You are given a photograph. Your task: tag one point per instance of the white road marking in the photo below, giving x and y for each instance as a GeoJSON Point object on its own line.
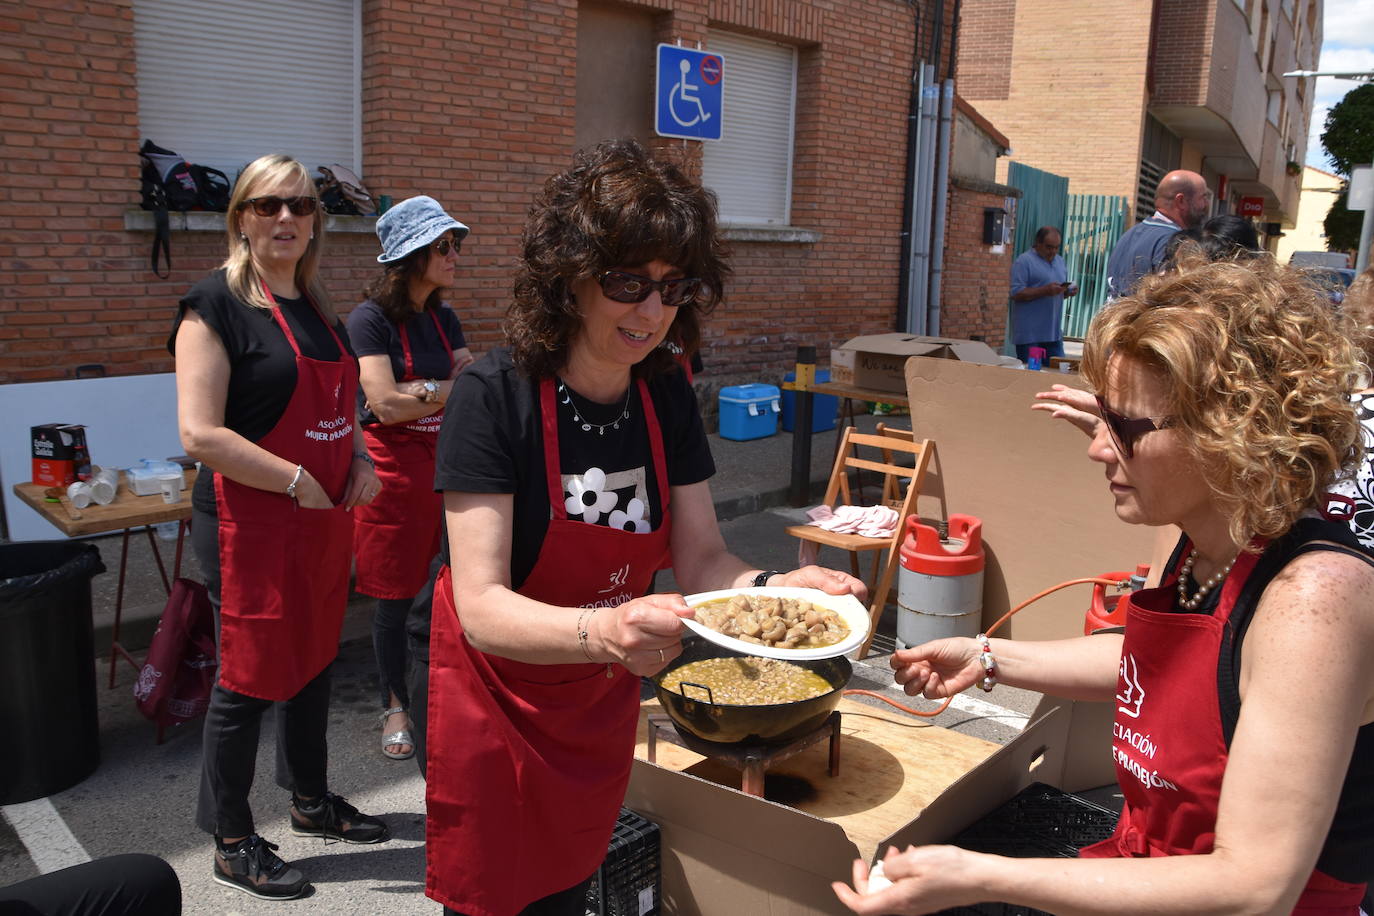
{"type": "Point", "coordinates": [43, 832]}
{"type": "Point", "coordinates": [976, 707]}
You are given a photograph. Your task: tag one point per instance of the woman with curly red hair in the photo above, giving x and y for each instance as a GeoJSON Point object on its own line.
{"type": "Point", "coordinates": [1223, 398]}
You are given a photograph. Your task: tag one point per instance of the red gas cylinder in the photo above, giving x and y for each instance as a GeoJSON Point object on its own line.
{"type": "Point", "coordinates": [1107, 610]}
{"type": "Point", "coordinates": [940, 582]}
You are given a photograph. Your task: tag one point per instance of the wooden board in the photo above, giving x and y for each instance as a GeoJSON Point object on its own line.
{"type": "Point", "coordinates": [891, 766]}
{"type": "Point", "coordinates": [127, 510]}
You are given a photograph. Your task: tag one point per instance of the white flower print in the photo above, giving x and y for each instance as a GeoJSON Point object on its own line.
{"type": "Point", "coordinates": [588, 496]}
{"type": "Point", "coordinates": [635, 518]}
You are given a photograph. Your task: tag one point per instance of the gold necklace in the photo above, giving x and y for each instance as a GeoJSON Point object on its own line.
{"type": "Point", "coordinates": [1194, 602]}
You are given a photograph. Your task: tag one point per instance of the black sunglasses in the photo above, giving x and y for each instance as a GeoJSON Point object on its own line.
{"type": "Point", "coordinates": [444, 246]}
{"type": "Point", "coordinates": [1125, 430]}
{"type": "Point", "coordinates": [271, 206]}
{"type": "Point", "coordinates": [622, 287]}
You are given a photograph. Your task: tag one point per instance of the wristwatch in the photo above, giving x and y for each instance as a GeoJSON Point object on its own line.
{"type": "Point", "coordinates": [431, 390]}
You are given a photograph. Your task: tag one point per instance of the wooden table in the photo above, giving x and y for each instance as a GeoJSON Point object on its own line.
{"type": "Point", "coordinates": [127, 513]}
{"type": "Point", "coordinates": [800, 485]}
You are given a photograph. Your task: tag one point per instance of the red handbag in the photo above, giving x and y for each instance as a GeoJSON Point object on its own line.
{"type": "Point", "coordinates": [175, 681]}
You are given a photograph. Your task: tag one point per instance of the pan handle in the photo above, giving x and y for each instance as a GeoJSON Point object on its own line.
{"type": "Point", "coordinates": [709, 698]}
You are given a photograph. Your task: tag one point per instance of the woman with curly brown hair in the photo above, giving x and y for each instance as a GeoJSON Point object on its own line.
{"type": "Point", "coordinates": [573, 467]}
{"type": "Point", "coordinates": [1223, 393]}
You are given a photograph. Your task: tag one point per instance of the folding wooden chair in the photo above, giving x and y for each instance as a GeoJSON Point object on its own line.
{"type": "Point", "coordinates": [901, 486]}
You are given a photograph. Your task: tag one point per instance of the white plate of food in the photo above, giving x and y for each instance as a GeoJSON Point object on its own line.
{"type": "Point", "coordinates": [747, 620]}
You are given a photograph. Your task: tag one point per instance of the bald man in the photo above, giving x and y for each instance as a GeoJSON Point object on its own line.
{"type": "Point", "coordinates": [1182, 201]}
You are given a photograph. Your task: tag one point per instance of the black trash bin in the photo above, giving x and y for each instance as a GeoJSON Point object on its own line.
{"type": "Point", "coordinates": [47, 667]}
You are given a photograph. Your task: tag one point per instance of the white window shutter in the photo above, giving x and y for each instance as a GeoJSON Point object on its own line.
{"type": "Point", "coordinates": [750, 167]}
{"type": "Point", "coordinates": [224, 83]}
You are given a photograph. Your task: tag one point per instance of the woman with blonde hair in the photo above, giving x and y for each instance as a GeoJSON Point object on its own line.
{"type": "Point", "coordinates": [265, 400]}
{"type": "Point", "coordinates": [1222, 390]}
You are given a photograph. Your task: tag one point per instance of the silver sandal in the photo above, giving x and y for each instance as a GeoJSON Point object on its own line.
{"type": "Point", "coordinates": [397, 737]}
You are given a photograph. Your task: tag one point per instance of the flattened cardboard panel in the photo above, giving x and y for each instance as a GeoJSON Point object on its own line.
{"type": "Point", "coordinates": [1038, 754]}
{"type": "Point", "coordinates": [726, 852]}
{"type": "Point", "coordinates": [1088, 764]}
{"type": "Point", "coordinates": [1047, 514]}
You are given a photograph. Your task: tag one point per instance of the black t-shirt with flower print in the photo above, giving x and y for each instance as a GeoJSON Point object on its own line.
{"type": "Point", "coordinates": [492, 441]}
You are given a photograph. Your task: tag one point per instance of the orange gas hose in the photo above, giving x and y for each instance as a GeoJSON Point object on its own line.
{"type": "Point", "coordinates": [1091, 580]}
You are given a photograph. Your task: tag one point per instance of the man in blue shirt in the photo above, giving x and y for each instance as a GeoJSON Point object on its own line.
{"type": "Point", "coordinates": [1039, 283]}
{"type": "Point", "coordinates": [1182, 201]}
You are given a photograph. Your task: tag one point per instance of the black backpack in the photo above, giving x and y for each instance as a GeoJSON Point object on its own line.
{"type": "Point", "coordinates": [169, 182]}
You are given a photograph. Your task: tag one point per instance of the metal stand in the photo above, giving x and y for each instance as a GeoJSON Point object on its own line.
{"type": "Point", "coordinates": [752, 760]}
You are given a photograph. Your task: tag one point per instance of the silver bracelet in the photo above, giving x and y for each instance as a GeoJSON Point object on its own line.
{"type": "Point", "coordinates": [291, 487]}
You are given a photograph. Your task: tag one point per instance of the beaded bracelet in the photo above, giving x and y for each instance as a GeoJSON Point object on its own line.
{"type": "Point", "coordinates": [989, 663]}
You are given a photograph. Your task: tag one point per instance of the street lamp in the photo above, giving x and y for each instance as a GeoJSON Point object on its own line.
{"type": "Point", "coordinates": [1367, 224]}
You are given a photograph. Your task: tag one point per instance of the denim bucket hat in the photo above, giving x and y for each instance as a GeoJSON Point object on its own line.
{"type": "Point", "coordinates": [412, 224]}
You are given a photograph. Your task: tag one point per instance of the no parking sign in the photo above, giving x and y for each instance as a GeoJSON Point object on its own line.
{"type": "Point", "coordinates": [689, 99]}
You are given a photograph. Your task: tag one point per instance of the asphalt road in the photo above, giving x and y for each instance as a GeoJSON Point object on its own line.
{"type": "Point", "coordinates": [142, 796]}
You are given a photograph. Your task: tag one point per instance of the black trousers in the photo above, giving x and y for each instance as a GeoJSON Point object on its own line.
{"type": "Point", "coordinates": [233, 723]}
{"type": "Point", "coordinates": [389, 645]}
{"type": "Point", "coordinates": [125, 885]}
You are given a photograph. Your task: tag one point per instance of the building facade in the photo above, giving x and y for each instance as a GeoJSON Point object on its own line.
{"type": "Point", "coordinates": [1319, 191]}
{"type": "Point", "coordinates": [1115, 94]}
{"type": "Point", "coordinates": [473, 103]}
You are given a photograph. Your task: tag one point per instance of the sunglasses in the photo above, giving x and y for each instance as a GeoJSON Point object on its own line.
{"type": "Point", "coordinates": [271, 206]}
{"type": "Point", "coordinates": [1125, 430]}
{"type": "Point", "coordinates": [444, 246]}
{"type": "Point", "coordinates": [622, 287]}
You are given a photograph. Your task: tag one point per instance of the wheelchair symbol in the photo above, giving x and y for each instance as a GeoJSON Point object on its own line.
{"type": "Point", "coordinates": [685, 92]}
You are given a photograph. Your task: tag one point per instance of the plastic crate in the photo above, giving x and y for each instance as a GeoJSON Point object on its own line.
{"type": "Point", "coordinates": [1040, 821]}
{"type": "Point", "coordinates": [627, 883]}
{"type": "Point", "coordinates": [824, 407]}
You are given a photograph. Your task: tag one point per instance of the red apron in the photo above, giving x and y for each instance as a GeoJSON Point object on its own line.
{"type": "Point", "coordinates": [1168, 743]}
{"type": "Point", "coordinates": [528, 764]}
{"type": "Point", "coordinates": [397, 534]}
{"type": "Point", "coordinates": [284, 569]}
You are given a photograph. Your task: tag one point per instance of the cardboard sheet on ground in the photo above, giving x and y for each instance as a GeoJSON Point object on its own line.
{"type": "Point", "coordinates": [1047, 514]}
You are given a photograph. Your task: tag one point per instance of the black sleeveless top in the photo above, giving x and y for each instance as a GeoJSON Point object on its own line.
{"type": "Point", "coordinates": [1348, 852]}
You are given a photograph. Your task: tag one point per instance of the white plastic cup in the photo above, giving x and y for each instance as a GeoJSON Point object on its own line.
{"type": "Point", "coordinates": [170, 485]}
{"type": "Point", "coordinates": [80, 494]}
{"type": "Point", "coordinates": [102, 491]}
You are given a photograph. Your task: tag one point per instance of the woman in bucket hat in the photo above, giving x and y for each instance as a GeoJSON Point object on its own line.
{"type": "Point", "coordinates": [410, 347]}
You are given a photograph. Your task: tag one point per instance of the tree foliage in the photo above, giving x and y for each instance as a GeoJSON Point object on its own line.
{"type": "Point", "coordinates": [1348, 137]}
{"type": "Point", "coordinates": [1342, 226]}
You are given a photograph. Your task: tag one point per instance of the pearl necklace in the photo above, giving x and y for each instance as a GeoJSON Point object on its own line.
{"type": "Point", "coordinates": [587, 425]}
{"type": "Point", "coordinates": [1193, 603]}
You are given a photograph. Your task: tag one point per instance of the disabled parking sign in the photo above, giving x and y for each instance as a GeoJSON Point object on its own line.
{"type": "Point", "coordinates": [689, 100]}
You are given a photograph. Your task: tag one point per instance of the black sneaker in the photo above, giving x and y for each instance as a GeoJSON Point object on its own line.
{"type": "Point", "coordinates": [251, 865]}
{"type": "Point", "coordinates": [333, 818]}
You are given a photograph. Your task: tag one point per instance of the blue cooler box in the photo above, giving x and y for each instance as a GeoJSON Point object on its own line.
{"type": "Point", "coordinates": [824, 407]}
{"type": "Point", "coordinates": [748, 411]}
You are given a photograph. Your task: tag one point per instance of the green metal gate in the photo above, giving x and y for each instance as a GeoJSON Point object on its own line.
{"type": "Point", "coordinates": [1094, 223]}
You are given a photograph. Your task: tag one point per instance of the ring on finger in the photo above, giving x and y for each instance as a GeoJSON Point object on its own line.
{"type": "Point", "coordinates": [661, 659]}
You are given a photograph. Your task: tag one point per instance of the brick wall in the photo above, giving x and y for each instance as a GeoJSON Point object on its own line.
{"type": "Point", "coordinates": [1077, 85]}
{"type": "Point", "coordinates": [977, 280]}
{"type": "Point", "coordinates": [472, 106]}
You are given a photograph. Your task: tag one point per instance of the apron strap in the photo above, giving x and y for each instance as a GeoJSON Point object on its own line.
{"type": "Point", "coordinates": [286, 328]}
{"type": "Point", "coordinates": [405, 346]}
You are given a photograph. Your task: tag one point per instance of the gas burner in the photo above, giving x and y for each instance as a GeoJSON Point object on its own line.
{"type": "Point", "coordinates": [752, 760]}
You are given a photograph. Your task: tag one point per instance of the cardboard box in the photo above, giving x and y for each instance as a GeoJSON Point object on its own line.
{"type": "Point", "coordinates": [878, 361]}
{"type": "Point", "coordinates": [727, 852]}
{"type": "Point", "coordinates": [1047, 513]}
{"type": "Point", "coordinates": [59, 454]}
